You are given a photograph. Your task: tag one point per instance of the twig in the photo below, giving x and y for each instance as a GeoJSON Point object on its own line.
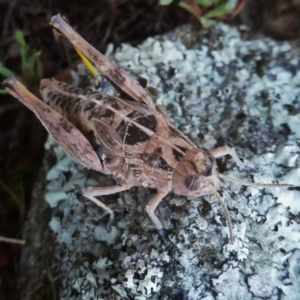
{"type": "Point", "coordinates": [11, 241]}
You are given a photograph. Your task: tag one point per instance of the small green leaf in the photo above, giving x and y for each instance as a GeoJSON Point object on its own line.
{"type": "Point", "coordinates": [4, 71]}
{"type": "Point", "coordinates": [39, 66]}
{"type": "Point", "coordinates": [217, 2]}
{"type": "Point", "coordinates": [232, 4]}
{"type": "Point", "coordinates": [165, 2]}
{"type": "Point", "coordinates": [187, 7]}
{"type": "Point", "coordinates": [20, 38]}
{"type": "Point", "coordinates": [205, 3]}
{"type": "Point", "coordinates": [222, 9]}
{"type": "Point", "coordinates": [206, 23]}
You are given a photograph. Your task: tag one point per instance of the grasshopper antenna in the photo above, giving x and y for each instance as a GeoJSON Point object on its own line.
{"type": "Point", "coordinates": [248, 183]}
{"type": "Point", "coordinates": [227, 215]}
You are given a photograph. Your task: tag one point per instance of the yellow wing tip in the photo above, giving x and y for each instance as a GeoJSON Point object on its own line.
{"type": "Point", "coordinates": [87, 63]}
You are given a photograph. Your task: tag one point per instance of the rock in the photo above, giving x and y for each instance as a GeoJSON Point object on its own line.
{"type": "Point", "coordinates": [218, 87]}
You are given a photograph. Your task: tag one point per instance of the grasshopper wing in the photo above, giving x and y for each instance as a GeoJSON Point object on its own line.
{"type": "Point", "coordinates": [105, 66]}
{"type": "Point", "coordinates": [67, 136]}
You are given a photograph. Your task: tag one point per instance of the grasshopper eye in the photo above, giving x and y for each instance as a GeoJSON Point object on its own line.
{"type": "Point", "coordinates": [208, 166]}
{"type": "Point", "coordinates": [192, 182]}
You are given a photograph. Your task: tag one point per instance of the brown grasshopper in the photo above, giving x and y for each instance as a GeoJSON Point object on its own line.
{"type": "Point", "coordinates": [132, 140]}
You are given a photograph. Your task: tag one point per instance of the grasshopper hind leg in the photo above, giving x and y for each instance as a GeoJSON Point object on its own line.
{"type": "Point", "coordinates": [92, 192]}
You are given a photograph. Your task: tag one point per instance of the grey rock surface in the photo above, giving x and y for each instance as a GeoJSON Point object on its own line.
{"type": "Point", "coordinates": [218, 87]}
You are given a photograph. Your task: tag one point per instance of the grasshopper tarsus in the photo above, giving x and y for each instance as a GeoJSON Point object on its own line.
{"type": "Point", "coordinates": [250, 169]}
{"type": "Point", "coordinates": [162, 234]}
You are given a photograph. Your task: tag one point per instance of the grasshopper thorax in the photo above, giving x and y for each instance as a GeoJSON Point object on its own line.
{"type": "Point", "coordinates": [196, 174]}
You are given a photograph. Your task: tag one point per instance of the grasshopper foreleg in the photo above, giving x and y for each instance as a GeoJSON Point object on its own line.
{"type": "Point", "coordinates": [225, 150]}
{"type": "Point", "coordinates": [150, 208]}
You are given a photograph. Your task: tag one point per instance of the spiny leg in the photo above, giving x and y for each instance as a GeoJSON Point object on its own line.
{"type": "Point", "coordinates": [106, 67]}
{"type": "Point", "coordinates": [91, 192]}
{"type": "Point", "coordinates": [150, 208]}
{"type": "Point", "coordinates": [73, 142]}
{"type": "Point", "coordinates": [225, 150]}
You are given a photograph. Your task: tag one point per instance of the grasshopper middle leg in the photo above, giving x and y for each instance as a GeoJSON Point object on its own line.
{"type": "Point", "coordinates": [92, 192]}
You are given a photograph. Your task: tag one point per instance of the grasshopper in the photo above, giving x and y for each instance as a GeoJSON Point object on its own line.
{"type": "Point", "coordinates": [130, 139]}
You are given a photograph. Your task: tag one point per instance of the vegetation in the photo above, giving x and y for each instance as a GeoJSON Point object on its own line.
{"type": "Point", "coordinates": [208, 10]}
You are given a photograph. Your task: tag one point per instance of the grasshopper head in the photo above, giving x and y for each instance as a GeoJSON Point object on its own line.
{"type": "Point", "coordinates": [196, 174]}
